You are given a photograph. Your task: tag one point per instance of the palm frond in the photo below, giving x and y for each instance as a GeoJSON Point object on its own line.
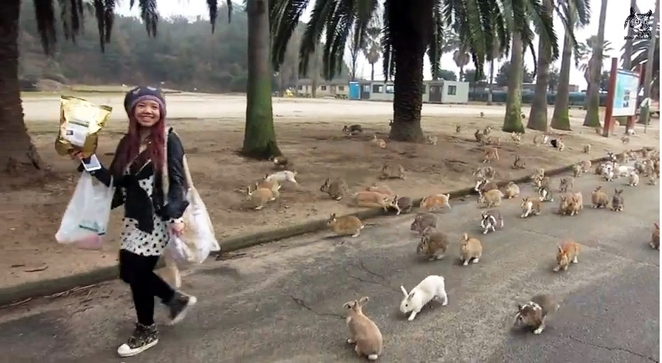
{"type": "Point", "coordinates": [436, 48]}
{"type": "Point", "coordinates": [388, 59]}
{"type": "Point", "coordinates": [321, 13]}
{"type": "Point", "coordinates": [285, 16]}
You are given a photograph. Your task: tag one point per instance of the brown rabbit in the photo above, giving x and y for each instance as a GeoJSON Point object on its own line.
{"type": "Point", "coordinates": [272, 185]}
{"type": "Point", "coordinates": [259, 197]}
{"type": "Point", "coordinates": [586, 165]}
{"type": "Point", "coordinates": [374, 200]}
{"type": "Point", "coordinates": [470, 249]}
{"type": "Point", "coordinates": [577, 170]}
{"type": "Point", "coordinates": [491, 199]}
{"type": "Point", "coordinates": [379, 142]}
{"type": "Point", "coordinates": [516, 137]}
{"type": "Point", "coordinates": [363, 332]}
{"type": "Point", "coordinates": [433, 244]}
{"type": "Point", "coordinates": [599, 198]}
{"type": "Point", "coordinates": [617, 201]}
{"type": "Point", "coordinates": [479, 136]}
{"type": "Point", "coordinates": [346, 225]}
{"type": "Point", "coordinates": [491, 154]}
{"type": "Point", "coordinates": [511, 190]}
{"type": "Point", "coordinates": [336, 189]}
{"type": "Point", "coordinates": [485, 186]}
{"type": "Point", "coordinates": [386, 172]}
{"type": "Point", "coordinates": [531, 206]}
{"type": "Point", "coordinates": [571, 203]}
{"type": "Point", "coordinates": [566, 183]}
{"type": "Point", "coordinates": [567, 253]}
{"type": "Point", "coordinates": [519, 163]}
{"type": "Point", "coordinates": [560, 145]}
{"type": "Point", "coordinates": [423, 221]}
{"type": "Point", "coordinates": [543, 182]}
{"type": "Point", "coordinates": [436, 202]}
{"type": "Point", "coordinates": [404, 205]}
{"type": "Point", "coordinates": [383, 189]}
{"type": "Point", "coordinates": [458, 129]}
{"type": "Point", "coordinates": [275, 189]}
{"type": "Point", "coordinates": [487, 131]}
{"type": "Point", "coordinates": [655, 237]}
{"type": "Point", "coordinates": [533, 313]}
{"type": "Point", "coordinates": [494, 140]}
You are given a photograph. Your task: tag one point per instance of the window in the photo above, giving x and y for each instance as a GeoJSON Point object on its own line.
{"type": "Point", "coordinates": [424, 89]}
{"type": "Point", "coordinates": [341, 88]}
{"type": "Point", "coordinates": [452, 90]}
{"type": "Point", "coordinates": [389, 89]}
{"type": "Point", "coordinates": [366, 88]}
{"type": "Point", "coordinates": [300, 88]}
{"type": "Point", "coordinates": [323, 88]}
{"type": "Point", "coordinates": [377, 88]}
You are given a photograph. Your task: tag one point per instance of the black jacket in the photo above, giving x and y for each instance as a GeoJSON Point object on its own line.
{"type": "Point", "coordinates": [138, 204]}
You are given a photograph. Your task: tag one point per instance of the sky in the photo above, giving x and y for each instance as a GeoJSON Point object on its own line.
{"type": "Point", "coordinates": [617, 11]}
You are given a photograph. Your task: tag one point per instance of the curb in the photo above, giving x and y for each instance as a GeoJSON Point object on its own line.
{"type": "Point", "coordinates": [13, 294]}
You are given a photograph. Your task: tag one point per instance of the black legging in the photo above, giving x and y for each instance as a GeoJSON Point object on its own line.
{"type": "Point", "coordinates": [138, 272]}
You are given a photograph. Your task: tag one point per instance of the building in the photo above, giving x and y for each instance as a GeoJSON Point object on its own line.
{"type": "Point", "coordinates": [337, 88]}
{"type": "Point", "coordinates": [439, 91]}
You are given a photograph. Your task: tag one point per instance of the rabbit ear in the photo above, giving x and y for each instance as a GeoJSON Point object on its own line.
{"type": "Point", "coordinates": [656, 225]}
{"type": "Point", "coordinates": [363, 300]}
{"type": "Point", "coordinates": [348, 305]}
{"type": "Point", "coordinates": [560, 248]}
{"type": "Point", "coordinates": [404, 291]}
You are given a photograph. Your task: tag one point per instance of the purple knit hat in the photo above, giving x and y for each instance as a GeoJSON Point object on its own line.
{"type": "Point", "coordinates": [144, 93]}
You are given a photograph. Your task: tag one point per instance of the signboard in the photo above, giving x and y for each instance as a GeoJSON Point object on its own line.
{"type": "Point", "coordinates": [625, 93]}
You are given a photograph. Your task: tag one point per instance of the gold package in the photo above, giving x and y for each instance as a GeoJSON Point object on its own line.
{"type": "Point", "coordinates": [80, 123]}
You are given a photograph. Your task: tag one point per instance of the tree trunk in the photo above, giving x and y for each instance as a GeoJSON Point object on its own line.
{"type": "Point", "coordinates": [409, 23]}
{"type": "Point", "coordinates": [372, 71]}
{"type": "Point", "coordinates": [259, 135]}
{"type": "Point", "coordinates": [648, 75]}
{"type": "Point", "coordinates": [627, 53]}
{"type": "Point", "coordinates": [513, 120]}
{"type": "Point", "coordinates": [538, 114]}
{"type": "Point", "coordinates": [18, 155]}
{"type": "Point", "coordinates": [491, 89]}
{"type": "Point", "coordinates": [592, 118]}
{"type": "Point", "coordinates": [560, 117]}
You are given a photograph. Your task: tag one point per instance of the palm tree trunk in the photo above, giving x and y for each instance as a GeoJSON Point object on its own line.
{"type": "Point", "coordinates": [648, 75]}
{"type": "Point", "coordinates": [259, 135]}
{"type": "Point", "coordinates": [18, 156]}
{"type": "Point", "coordinates": [592, 118]}
{"type": "Point", "coordinates": [538, 114]}
{"type": "Point", "coordinates": [513, 120]}
{"type": "Point", "coordinates": [372, 71]}
{"type": "Point", "coordinates": [409, 44]}
{"type": "Point", "coordinates": [491, 88]}
{"type": "Point", "coordinates": [627, 53]}
{"type": "Point", "coordinates": [560, 117]}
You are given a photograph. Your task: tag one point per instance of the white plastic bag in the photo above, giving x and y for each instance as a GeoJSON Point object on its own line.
{"type": "Point", "coordinates": [85, 221]}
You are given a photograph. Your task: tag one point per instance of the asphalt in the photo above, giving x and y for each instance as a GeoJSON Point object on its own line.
{"type": "Point", "coordinates": [282, 302]}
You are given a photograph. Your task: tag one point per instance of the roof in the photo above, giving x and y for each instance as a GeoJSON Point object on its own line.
{"type": "Point", "coordinates": [334, 82]}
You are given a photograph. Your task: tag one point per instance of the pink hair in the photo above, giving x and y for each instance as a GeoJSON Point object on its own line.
{"type": "Point", "coordinates": [128, 150]}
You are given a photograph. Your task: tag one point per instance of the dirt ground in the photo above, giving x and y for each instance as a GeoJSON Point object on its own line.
{"type": "Point", "coordinates": [309, 133]}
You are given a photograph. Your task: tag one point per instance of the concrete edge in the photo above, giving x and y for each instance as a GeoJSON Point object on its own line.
{"type": "Point", "coordinates": [13, 294]}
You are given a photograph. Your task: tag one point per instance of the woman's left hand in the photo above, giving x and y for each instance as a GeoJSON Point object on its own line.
{"type": "Point", "coordinates": [178, 228]}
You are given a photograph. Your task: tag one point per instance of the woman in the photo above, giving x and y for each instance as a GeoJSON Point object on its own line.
{"type": "Point", "coordinates": [148, 174]}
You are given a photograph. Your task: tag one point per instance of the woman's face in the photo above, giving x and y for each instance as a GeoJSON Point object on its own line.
{"type": "Point", "coordinates": [147, 113]}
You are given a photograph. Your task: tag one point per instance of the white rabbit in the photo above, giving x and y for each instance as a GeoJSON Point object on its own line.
{"type": "Point", "coordinates": [623, 171]}
{"type": "Point", "coordinates": [608, 173]}
{"type": "Point", "coordinates": [431, 288]}
{"type": "Point", "coordinates": [283, 176]}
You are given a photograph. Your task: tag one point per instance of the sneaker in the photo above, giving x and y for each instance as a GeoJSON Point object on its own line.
{"type": "Point", "coordinates": [143, 338]}
{"type": "Point", "coordinates": [179, 306]}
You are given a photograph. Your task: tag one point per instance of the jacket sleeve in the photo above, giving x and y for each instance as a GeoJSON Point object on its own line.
{"type": "Point", "coordinates": [176, 198]}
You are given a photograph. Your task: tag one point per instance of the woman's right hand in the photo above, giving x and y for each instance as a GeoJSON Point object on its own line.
{"type": "Point", "coordinates": [77, 155]}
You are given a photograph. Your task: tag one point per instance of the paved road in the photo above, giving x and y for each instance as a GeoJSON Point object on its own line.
{"type": "Point", "coordinates": [282, 302]}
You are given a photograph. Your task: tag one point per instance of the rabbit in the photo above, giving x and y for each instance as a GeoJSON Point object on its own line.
{"type": "Point", "coordinates": [617, 201]}
{"type": "Point", "coordinates": [543, 182]}
{"type": "Point", "coordinates": [484, 173]}
{"type": "Point", "coordinates": [404, 205]}
{"type": "Point", "coordinates": [586, 165]}
{"type": "Point", "coordinates": [491, 198]}
{"type": "Point", "coordinates": [577, 170]}
{"type": "Point", "coordinates": [430, 288]}
{"type": "Point", "coordinates": [516, 137]}
{"type": "Point", "coordinates": [423, 221]}
{"type": "Point", "coordinates": [275, 187]}
{"type": "Point", "coordinates": [511, 190]}
{"type": "Point", "coordinates": [625, 140]}
{"type": "Point", "coordinates": [608, 173]}
{"type": "Point", "coordinates": [433, 244]}
{"type": "Point", "coordinates": [458, 129]}
{"type": "Point", "coordinates": [622, 171]}
{"type": "Point", "coordinates": [336, 189]}
{"type": "Point", "coordinates": [374, 200]}
{"type": "Point", "coordinates": [379, 142]}
{"type": "Point", "coordinates": [611, 157]}
{"type": "Point", "coordinates": [487, 131]}
{"type": "Point", "coordinates": [641, 166]}
{"type": "Point", "coordinates": [491, 220]}
{"type": "Point", "coordinates": [545, 192]}
{"type": "Point", "coordinates": [540, 139]}
{"type": "Point", "coordinates": [599, 199]}
{"type": "Point", "coordinates": [533, 313]}
{"type": "Point", "coordinates": [436, 202]}
{"type": "Point", "coordinates": [560, 145]}
{"type": "Point", "coordinates": [346, 225]}
{"type": "Point", "coordinates": [386, 173]}
{"type": "Point", "coordinates": [470, 249]}
{"type": "Point", "coordinates": [363, 332]}
{"type": "Point", "coordinates": [571, 204]}
{"type": "Point", "coordinates": [494, 140]}
{"type": "Point", "coordinates": [482, 114]}
{"type": "Point", "coordinates": [655, 237]}
{"type": "Point", "coordinates": [259, 197]}
{"type": "Point", "coordinates": [382, 189]}
{"type": "Point", "coordinates": [538, 175]}
{"type": "Point", "coordinates": [353, 129]}
{"type": "Point", "coordinates": [478, 136]}
{"type": "Point", "coordinates": [491, 154]}
{"type": "Point", "coordinates": [567, 253]}
{"type": "Point", "coordinates": [283, 176]}
{"type": "Point", "coordinates": [634, 178]}
{"type": "Point", "coordinates": [530, 206]}
{"type": "Point", "coordinates": [484, 186]}
{"type": "Point", "coordinates": [652, 180]}
{"type": "Point", "coordinates": [566, 183]}
{"type": "Point", "coordinates": [279, 161]}
{"type": "Point", "coordinates": [518, 163]}
{"type": "Point", "coordinates": [431, 139]}
{"type": "Point", "coordinates": [587, 148]}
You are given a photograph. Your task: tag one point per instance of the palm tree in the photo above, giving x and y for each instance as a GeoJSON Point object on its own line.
{"type": "Point", "coordinates": [648, 75]}
{"type": "Point", "coordinates": [18, 153]}
{"type": "Point", "coordinates": [592, 117]}
{"type": "Point", "coordinates": [627, 55]}
{"type": "Point", "coordinates": [565, 10]}
{"type": "Point", "coordinates": [410, 29]}
{"type": "Point", "coordinates": [373, 50]}
{"type": "Point", "coordinates": [461, 58]}
{"type": "Point", "coordinates": [522, 14]}
{"type": "Point", "coordinates": [586, 53]}
{"type": "Point", "coordinates": [494, 55]}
